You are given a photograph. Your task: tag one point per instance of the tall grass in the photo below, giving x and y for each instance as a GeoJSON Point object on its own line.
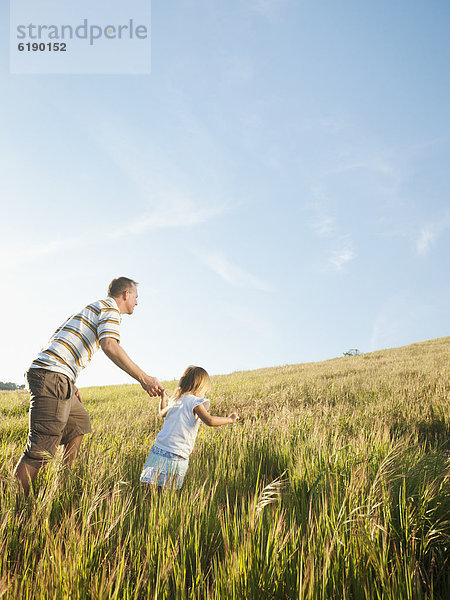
{"type": "Point", "coordinates": [334, 484]}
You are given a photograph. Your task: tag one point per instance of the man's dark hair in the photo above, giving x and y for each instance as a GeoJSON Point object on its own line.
{"type": "Point", "coordinates": [119, 285]}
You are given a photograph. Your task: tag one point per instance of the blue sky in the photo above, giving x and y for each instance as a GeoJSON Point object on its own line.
{"type": "Point", "coordinates": [278, 186]}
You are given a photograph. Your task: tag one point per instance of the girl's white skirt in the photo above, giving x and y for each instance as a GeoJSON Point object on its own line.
{"type": "Point", "coordinates": [164, 468]}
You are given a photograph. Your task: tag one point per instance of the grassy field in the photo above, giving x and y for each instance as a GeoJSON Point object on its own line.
{"type": "Point", "coordinates": [334, 484]}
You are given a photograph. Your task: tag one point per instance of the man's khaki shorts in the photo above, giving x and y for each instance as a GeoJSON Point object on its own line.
{"type": "Point", "coordinates": [56, 415]}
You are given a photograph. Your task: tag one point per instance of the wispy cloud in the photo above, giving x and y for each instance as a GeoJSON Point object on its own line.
{"type": "Point", "coordinates": [377, 164]}
{"type": "Point", "coordinates": [341, 257]}
{"type": "Point", "coordinates": [232, 274]}
{"type": "Point", "coordinates": [429, 234]}
{"type": "Point", "coordinates": [426, 239]}
{"type": "Point", "coordinates": [176, 212]}
{"type": "Point", "coordinates": [164, 191]}
{"type": "Point", "coordinates": [324, 226]}
{"type": "Point", "coordinates": [11, 256]}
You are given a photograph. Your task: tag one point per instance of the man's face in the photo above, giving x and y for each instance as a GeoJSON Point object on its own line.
{"type": "Point", "coordinates": [130, 298]}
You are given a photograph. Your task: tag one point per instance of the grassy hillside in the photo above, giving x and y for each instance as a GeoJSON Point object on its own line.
{"type": "Point", "coordinates": [334, 484]}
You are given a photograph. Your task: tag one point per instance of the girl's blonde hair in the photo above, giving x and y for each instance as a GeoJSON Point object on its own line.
{"type": "Point", "coordinates": [192, 380]}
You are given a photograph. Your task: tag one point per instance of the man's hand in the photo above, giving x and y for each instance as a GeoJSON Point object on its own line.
{"type": "Point", "coordinates": [78, 395]}
{"type": "Point", "coordinates": [151, 385]}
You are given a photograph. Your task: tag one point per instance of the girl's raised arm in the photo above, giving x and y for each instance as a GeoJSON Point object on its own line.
{"type": "Point", "coordinates": [212, 420]}
{"type": "Point", "coordinates": [163, 408]}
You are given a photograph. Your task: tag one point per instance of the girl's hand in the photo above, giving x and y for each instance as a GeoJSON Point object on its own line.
{"type": "Point", "coordinates": [234, 417]}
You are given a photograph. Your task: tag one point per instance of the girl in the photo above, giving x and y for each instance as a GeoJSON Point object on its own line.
{"type": "Point", "coordinates": [168, 460]}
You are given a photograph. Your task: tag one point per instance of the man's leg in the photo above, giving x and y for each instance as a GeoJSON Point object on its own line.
{"type": "Point", "coordinates": [26, 474]}
{"type": "Point", "coordinates": [49, 411]}
{"type": "Point", "coordinates": [77, 425]}
{"type": "Point", "coordinates": [71, 450]}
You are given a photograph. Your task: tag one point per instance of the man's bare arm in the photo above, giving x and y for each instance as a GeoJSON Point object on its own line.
{"type": "Point", "coordinates": [117, 354]}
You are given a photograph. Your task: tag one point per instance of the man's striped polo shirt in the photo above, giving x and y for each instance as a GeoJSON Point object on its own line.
{"type": "Point", "coordinates": [72, 345]}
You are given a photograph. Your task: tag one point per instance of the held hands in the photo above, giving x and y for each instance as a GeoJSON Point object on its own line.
{"type": "Point", "coordinates": [152, 386]}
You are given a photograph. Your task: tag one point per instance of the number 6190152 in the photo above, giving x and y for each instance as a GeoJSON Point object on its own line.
{"type": "Point", "coordinates": [42, 47]}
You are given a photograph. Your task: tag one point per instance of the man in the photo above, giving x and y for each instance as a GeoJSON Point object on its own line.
{"type": "Point", "coordinates": [56, 413]}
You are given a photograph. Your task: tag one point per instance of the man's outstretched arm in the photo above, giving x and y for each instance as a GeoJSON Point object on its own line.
{"type": "Point", "coordinates": [117, 354]}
